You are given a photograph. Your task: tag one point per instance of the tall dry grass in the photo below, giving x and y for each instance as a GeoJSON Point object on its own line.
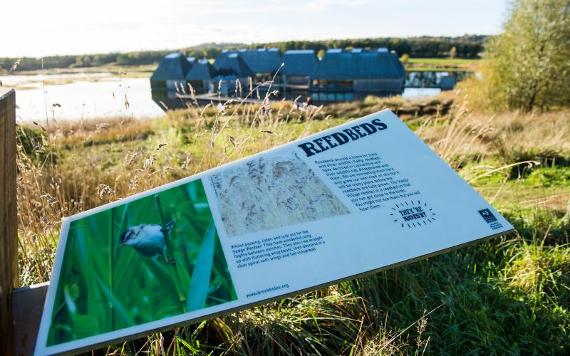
{"type": "Point", "coordinates": [430, 306]}
{"type": "Point", "coordinates": [76, 166]}
{"type": "Point", "coordinates": [511, 137]}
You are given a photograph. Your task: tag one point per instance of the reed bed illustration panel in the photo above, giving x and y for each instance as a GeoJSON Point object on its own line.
{"type": "Point", "coordinates": [270, 192]}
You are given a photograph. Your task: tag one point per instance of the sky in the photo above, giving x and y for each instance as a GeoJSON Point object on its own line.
{"type": "Point", "coordinates": [40, 28]}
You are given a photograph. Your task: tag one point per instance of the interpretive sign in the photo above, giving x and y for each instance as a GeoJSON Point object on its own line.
{"type": "Point", "coordinates": [350, 200]}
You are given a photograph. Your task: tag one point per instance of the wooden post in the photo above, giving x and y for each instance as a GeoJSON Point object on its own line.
{"type": "Point", "coordinates": [8, 222]}
{"type": "Point", "coordinates": [20, 308]}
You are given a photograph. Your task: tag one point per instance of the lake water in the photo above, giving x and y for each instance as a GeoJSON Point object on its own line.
{"type": "Point", "coordinates": [109, 97]}
{"type": "Point", "coordinates": [79, 97]}
{"type": "Point", "coordinates": [420, 93]}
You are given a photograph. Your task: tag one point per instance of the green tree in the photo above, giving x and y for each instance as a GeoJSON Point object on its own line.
{"type": "Point", "coordinates": [529, 62]}
{"type": "Point", "coordinates": [83, 61]}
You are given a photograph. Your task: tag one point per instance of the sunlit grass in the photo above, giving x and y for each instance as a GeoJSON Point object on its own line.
{"type": "Point", "coordinates": [442, 64]}
{"type": "Point", "coordinates": [508, 295]}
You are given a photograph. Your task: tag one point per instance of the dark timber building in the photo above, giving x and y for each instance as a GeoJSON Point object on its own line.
{"type": "Point", "coordinates": [201, 76]}
{"type": "Point", "coordinates": [232, 73]}
{"type": "Point", "coordinates": [347, 75]}
{"type": "Point", "coordinates": [342, 75]}
{"type": "Point", "coordinates": [171, 72]}
{"type": "Point", "coordinates": [264, 62]}
{"type": "Point", "coordinates": [298, 66]}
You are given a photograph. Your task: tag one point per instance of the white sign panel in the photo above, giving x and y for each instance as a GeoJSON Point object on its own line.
{"type": "Point", "coordinates": [350, 200]}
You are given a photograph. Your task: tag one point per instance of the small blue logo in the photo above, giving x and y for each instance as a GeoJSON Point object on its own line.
{"type": "Point", "coordinates": [490, 219]}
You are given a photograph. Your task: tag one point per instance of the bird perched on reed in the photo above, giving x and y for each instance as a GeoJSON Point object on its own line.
{"type": "Point", "coordinates": [148, 239]}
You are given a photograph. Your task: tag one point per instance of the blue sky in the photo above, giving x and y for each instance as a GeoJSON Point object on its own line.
{"type": "Point", "coordinates": [75, 26]}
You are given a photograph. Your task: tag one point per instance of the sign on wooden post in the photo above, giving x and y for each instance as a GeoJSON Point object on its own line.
{"type": "Point", "coordinates": [355, 199]}
{"type": "Point", "coordinates": [8, 222]}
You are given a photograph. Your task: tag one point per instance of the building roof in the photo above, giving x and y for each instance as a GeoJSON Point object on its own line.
{"type": "Point", "coordinates": [299, 62]}
{"type": "Point", "coordinates": [201, 70]}
{"type": "Point", "coordinates": [232, 64]}
{"type": "Point", "coordinates": [396, 61]}
{"type": "Point", "coordinates": [260, 61]}
{"type": "Point", "coordinates": [173, 66]}
{"type": "Point", "coordinates": [360, 64]}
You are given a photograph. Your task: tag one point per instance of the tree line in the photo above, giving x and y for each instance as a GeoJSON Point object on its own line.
{"type": "Point", "coordinates": [469, 46]}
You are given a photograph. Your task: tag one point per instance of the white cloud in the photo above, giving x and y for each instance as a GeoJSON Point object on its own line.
{"type": "Point", "coordinates": [73, 27]}
{"type": "Point", "coordinates": [320, 5]}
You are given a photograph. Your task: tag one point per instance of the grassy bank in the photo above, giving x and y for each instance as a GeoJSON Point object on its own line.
{"type": "Point", "coordinates": [118, 70]}
{"type": "Point", "coordinates": [441, 64]}
{"type": "Point", "coordinates": [33, 79]}
{"type": "Point", "coordinates": [507, 295]}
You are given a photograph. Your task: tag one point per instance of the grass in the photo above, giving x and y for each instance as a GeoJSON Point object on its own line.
{"type": "Point", "coordinates": [120, 70]}
{"type": "Point", "coordinates": [441, 64]}
{"type": "Point", "coordinates": [509, 295]}
{"type": "Point", "coordinates": [442, 61]}
{"type": "Point", "coordinates": [59, 76]}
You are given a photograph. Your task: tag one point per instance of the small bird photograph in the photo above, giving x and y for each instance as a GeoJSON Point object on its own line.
{"type": "Point", "coordinates": [148, 239]}
{"type": "Point", "coordinates": [141, 261]}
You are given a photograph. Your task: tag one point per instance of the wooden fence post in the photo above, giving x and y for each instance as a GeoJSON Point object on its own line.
{"type": "Point", "coordinates": [8, 218]}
